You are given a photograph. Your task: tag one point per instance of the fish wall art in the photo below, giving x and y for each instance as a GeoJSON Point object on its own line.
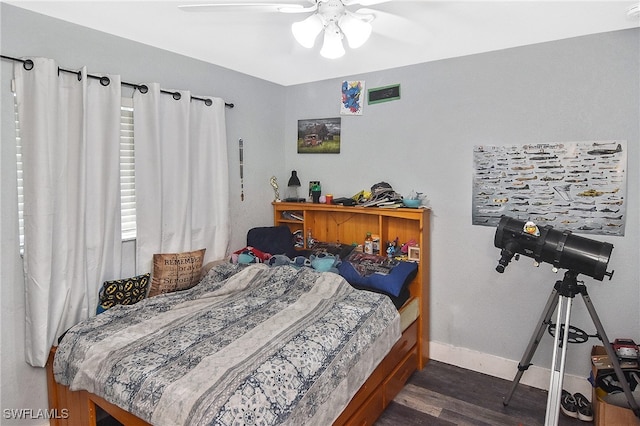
{"type": "Point", "coordinates": [577, 186]}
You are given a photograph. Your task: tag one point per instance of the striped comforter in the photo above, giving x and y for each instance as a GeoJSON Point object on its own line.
{"type": "Point", "coordinates": [248, 345]}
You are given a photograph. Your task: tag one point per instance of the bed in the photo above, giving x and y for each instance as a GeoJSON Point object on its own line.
{"type": "Point", "coordinates": [250, 344]}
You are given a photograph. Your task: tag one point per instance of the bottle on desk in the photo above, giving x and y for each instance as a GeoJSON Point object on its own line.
{"type": "Point", "coordinates": [310, 240]}
{"type": "Point", "coordinates": [368, 244]}
{"type": "Point", "coordinates": [376, 244]}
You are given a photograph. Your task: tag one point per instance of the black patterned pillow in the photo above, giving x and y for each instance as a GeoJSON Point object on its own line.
{"type": "Point", "coordinates": [123, 292]}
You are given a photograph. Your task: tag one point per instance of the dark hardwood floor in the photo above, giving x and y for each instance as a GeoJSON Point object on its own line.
{"type": "Point", "coordinates": [442, 394]}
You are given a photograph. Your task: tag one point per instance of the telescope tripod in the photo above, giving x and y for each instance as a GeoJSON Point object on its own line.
{"type": "Point", "coordinates": [562, 295]}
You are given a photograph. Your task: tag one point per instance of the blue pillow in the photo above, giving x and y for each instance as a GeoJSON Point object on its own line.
{"type": "Point", "coordinates": [398, 301]}
{"type": "Point", "coordinates": [392, 283]}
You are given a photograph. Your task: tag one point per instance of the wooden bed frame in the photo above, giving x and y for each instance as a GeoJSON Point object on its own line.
{"type": "Point", "coordinates": [407, 355]}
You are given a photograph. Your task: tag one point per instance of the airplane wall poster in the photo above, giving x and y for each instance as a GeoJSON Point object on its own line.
{"type": "Point", "coordinates": [576, 186]}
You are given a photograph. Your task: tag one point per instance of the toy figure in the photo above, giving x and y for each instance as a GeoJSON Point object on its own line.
{"type": "Point", "coordinates": [392, 248]}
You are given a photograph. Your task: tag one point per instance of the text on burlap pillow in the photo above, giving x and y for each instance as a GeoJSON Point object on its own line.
{"type": "Point", "coordinates": [175, 271]}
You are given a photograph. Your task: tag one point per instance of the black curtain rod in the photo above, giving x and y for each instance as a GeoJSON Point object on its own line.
{"type": "Point", "coordinates": [28, 65]}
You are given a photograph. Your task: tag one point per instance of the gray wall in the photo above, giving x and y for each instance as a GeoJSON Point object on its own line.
{"type": "Point", "coordinates": [579, 89]}
{"type": "Point", "coordinates": [574, 90]}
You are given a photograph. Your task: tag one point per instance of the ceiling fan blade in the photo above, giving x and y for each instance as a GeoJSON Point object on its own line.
{"type": "Point", "coordinates": [297, 9]}
{"type": "Point", "coordinates": [395, 27]}
{"type": "Point", "coordinates": [364, 2]}
{"type": "Point", "coordinates": [256, 6]}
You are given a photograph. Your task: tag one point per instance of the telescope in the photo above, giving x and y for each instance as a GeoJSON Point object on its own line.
{"type": "Point", "coordinates": [562, 249]}
{"type": "Point", "coordinates": [578, 255]}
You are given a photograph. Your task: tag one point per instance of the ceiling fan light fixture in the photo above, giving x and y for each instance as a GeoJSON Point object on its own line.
{"type": "Point", "coordinates": [356, 30]}
{"type": "Point", "coordinates": [332, 47]}
{"type": "Point", "coordinates": [306, 32]}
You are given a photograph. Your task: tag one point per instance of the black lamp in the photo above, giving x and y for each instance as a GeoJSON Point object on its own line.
{"type": "Point", "coordinates": [293, 185]}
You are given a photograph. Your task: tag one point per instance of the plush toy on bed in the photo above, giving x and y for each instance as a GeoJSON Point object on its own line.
{"type": "Point", "coordinates": [281, 259]}
{"type": "Point", "coordinates": [325, 262]}
{"type": "Point", "coordinates": [249, 254]}
{"type": "Point", "coordinates": [300, 261]}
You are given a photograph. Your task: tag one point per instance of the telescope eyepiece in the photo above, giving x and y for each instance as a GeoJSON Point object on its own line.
{"type": "Point", "coordinates": [506, 254]}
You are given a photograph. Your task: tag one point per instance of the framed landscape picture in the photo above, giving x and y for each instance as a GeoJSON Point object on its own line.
{"type": "Point", "coordinates": [319, 136]}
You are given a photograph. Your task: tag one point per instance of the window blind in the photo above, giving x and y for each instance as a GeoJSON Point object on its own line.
{"type": "Point", "coordinates": [127, 172]}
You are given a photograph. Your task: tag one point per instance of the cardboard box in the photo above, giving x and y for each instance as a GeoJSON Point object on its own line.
{"type": "Point", "coordinates": [611, 415]}
{"type": "Point", "coordinates": [605, 414]}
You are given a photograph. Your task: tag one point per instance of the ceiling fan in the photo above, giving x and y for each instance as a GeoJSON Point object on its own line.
{"type": "Point", "coordinates": [330, 16]}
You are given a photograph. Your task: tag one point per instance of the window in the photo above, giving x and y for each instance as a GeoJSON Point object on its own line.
{"type": "Point", "coordinates": [127, 172]}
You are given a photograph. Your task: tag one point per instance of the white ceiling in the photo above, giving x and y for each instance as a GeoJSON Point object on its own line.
{"type": "Point", "coordinates": [405, 31]}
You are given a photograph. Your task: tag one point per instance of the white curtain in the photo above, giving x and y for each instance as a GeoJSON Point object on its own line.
{"type": "Point", "coordinates": [70, 148]}
{"type": "Point", "coordinates": [182, 183]}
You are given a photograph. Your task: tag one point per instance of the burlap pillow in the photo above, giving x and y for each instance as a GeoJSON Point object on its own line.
{"type": "Point", "coordinates": [175, 271]}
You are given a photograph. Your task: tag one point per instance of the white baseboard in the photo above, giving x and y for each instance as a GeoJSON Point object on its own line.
{"type": "Point", "coordinates": [503, 368]}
